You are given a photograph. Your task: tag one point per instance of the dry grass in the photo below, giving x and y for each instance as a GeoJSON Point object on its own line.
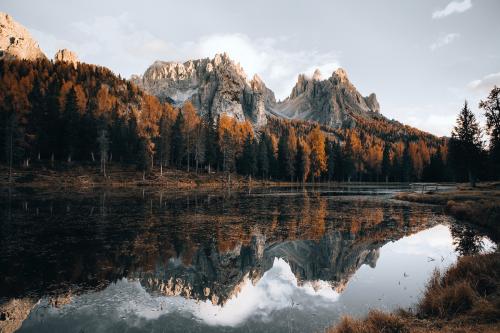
{"type": "Point", "coordinates": [466, 298]}
{"type": "Point", "coordinates": [375, 322]}
{"type": "Point", "coordinates": [471, 287]}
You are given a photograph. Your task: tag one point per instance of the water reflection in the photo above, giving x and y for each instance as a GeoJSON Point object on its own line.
{"type": "Point", "coordinates": [210, 258]}
{"type": "Point", "coordinates": [466, 240]}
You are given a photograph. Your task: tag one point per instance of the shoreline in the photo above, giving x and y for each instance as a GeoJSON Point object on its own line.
{"type": "Point", "coordinates": [479, 206]}
{"type": "Point", "coordinates": [81, 176]}
{"type": "Point", "coordinates": [466, 297]}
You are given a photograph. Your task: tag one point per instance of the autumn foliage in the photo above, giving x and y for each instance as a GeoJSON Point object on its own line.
{"type": "Point", "coordinates": [57, 113]}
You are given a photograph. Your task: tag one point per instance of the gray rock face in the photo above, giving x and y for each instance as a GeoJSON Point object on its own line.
{"type": "Point", "coordinates": [328, 102]}
{"type": "Point", "coordinates": [219, 85]}
{"type": "Point", "coordinates": [16, 42]}
{"type": "Point", "coordinates": [214, 86]}
{"type": "Point", "coordinates": [66, 56]}
{"type": "Point", "coordinates": [218, 276]}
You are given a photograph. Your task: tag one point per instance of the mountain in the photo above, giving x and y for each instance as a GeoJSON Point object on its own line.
{"type": "Point", "coordinates": [66, 55]}
{"type": "Point", "coordinates": [59, 110]}
{"type": "Point", "coordinates": [214, 86]}
{"type": "Point", "coordinates": [219, 85]}
{"type": "Point", "coordinates": [16, 41]}
{"type": "Point", "coordinates": [330, 102]}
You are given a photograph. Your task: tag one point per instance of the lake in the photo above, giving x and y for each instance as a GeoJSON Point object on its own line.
{"type": "Point", "coordinates": [282, 259]}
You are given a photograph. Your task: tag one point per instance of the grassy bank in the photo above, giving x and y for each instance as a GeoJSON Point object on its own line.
{"type": "Point", "coordinates": [84, 175]}
{"type": "Point", "coordinates": [466, 298]}
{"type": "Point", "coordinates": [479, 205]}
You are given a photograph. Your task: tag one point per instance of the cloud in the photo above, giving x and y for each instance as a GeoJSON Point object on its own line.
{"type": "Point", "coordinates": [118, 43]}
{"type": "Point", "coordinates": [451, 8]}
{"type": "Point", "coordinates": [444, 40]}
{"type": "Point", "coordinates": [485, 84]}
{"type": "Point", "coordinates": [127, 302]}
{"type": "Point", "coordinates": [265, 56]}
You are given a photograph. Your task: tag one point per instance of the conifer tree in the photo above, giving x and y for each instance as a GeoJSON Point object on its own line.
{"type": "Point", "coordinates": [178, 144]}
{"type": "Point", "coordinates": [407, 165]}
{"type": "Point", "coordinates": [285, 158]}
{"type": "Point", "coordinates": [263, 157]}
{"type": "Point", "coordinates": [71, 121]}
{"type": "Point", "coordinates": [386, 162]}
{"type": "Point", "coordinates": [248, 160]}
{"type": "Point", "coordinates": [318, 156]}
{"type": "Point", "coordinates": [211, 146]}
{"type": "Point", "coordinates": [491, 106]}
{"type": "Point", "coordinates": [465, 144]}
{"type": "Point", "coordinates": [331, 160]}
{"type": "Point", "coordinates": [302, 161]}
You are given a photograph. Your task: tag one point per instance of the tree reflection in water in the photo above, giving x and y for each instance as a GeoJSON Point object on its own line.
{"type": "Point", "coordinates": [466, 239]}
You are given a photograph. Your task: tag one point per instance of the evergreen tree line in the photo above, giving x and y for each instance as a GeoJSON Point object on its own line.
{"type": "Point", "coordinates": [471, 157]}
{"type": "Point", "coordinates": [60, 114]}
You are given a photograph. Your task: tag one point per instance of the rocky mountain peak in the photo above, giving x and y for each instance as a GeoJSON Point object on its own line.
{"type": "Point", "coordinates": [16, 41]}
{"type": "Point", "coordinates": [331, 102]}
{"type": "Point", "coordinates": [66, 55]}
{"type": "Point", "coordinates": [219, 85]}
{"type": "Point", "coordinates": [214, 86]}
{"type": "Point", "coordinates": [317, 75]}
{"type": "Point", "coordinates": [341, 74]}
{"type": "Point", "coordinates": [256, 82]}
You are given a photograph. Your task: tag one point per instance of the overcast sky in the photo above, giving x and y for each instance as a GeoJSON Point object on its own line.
{"type": "Point", "coordinates": [422, 58]}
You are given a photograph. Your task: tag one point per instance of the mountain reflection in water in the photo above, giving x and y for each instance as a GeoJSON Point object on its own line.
{"type": "Point", "coordinates": [260, 261]}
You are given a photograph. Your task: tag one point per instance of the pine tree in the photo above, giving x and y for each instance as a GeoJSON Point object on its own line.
{"type": "Point", "coordinates": [386, 162]}
{"type": "Point", "coordinates": [200, 149]}
{"type": "Point", "coordinates": [248, 160]}
{"type": "Point", "coordinates": [164, 141]}
{"type": "Point", "coordinates": [263, 157]}
{"type": "Point", "coordinates": [71, 121]}
{"type": "Point", "coordinates": [434, 171]}
{"type": "Point", "coordinates": [318, 156]}
{"type": "Point", "coordinates": [338, 159]}
{"type": "Point", "coordinates": [178, 145]}
{"type": "Point", "coordinates": [191, 121]}
{"type": "Point", "coordinates": [465, 144]}
{"type": "Point", "coordinates": [349, 165]}
{"type": "Point", "coordinates": [331, 160]}
{"type": "Point", "coordinates": [302, 161]}
{"type": "Point", "coordinates": [211, 146]}
{"type": "Point", "coordinates": [285, 158]}
{"type": "Point", "coordinates": [491, 106]}
{"type": "Point", "coordinates": [407, 165]}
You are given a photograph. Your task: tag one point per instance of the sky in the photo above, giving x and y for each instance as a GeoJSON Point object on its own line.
{"type": "Point", "coordinates": [422, 58]}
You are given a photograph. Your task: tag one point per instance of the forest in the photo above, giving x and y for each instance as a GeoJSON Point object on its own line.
{"type": "Point", "coordinates": [60, 113]}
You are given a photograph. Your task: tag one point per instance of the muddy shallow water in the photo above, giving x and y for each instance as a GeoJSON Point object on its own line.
{"type": "Point", "coordinates": [264, 260]}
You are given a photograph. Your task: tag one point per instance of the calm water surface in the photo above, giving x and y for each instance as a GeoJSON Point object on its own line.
{"type": "Point", "coordinates": [271, 260]}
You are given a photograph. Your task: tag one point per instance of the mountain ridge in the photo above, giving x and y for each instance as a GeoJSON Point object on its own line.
{"type": "Point", "coordinates": [220, 85]}
{"type": "Point", "coordinates": [215, 90]}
